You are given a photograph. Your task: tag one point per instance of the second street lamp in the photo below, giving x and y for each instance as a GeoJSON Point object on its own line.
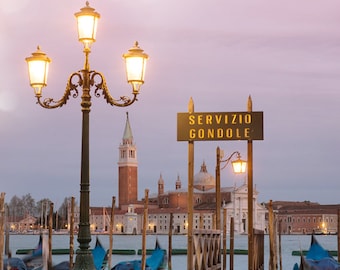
{"type": "Point", "coordinates": [84, 80]}
{"type": "Point", "coordinates": [239, 166]}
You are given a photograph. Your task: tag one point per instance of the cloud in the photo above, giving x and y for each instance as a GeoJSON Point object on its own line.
{"type": "Point", "coordinates": [7, 101]}
{"type": "Point", "coordinates": [12, 6]}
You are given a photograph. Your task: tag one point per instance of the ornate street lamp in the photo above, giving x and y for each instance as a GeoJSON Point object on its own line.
{"type": "Point", "coordinates": [85, 79]}
{"type": "Point", "coordinates": [239, 166]}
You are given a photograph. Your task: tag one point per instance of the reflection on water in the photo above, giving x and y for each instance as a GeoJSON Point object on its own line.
{"type": "Point", "coordinates": [288, 244]}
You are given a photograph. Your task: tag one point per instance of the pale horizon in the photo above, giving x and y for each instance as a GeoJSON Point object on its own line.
{"type": "Point", "coordinates": [286, 55]}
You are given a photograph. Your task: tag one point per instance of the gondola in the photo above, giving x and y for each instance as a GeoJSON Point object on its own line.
{"type": "Point", "coordinates": [34, 260]}
{"type": "Point", "coordinates": [317, 258]}
{"type": "Point", "coordinates": [154, 262]}
{"type": "Point", "coordinates": [99, 258]}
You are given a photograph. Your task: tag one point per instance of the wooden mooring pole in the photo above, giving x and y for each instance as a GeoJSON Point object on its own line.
{"type": "Point", "coordinates": [224, 238]}
{"type": "Point", "coordinates": [111, 230]}
{"type": "Point", "coordinates": [272, 238]}
{"type": "Point", "coordinates": [339, 235]}
{"type": "Point", "coordinates": [7, 251]}
{"type": "Point", "coordinates": [72, 233]}
{"type": "Point", "coordinates": [2, 218]}
{"type": "Point", "coordinates": [145, 219]}
{"type": "Point", "coordinates": [231, 257]}
{"type": "Point", "coordinates": [170, 242]}
{"type": "Point", "coordinates": [50, 227]}
{"type": "Point", "coordinates": [280, 249]}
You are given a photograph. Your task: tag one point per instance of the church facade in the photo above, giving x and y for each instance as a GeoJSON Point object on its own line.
{"type": "Point", "coordinates": [128, 216]}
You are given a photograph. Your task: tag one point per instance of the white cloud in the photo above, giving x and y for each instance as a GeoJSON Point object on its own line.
{"type": "Point", "coordinates": [7, 101]}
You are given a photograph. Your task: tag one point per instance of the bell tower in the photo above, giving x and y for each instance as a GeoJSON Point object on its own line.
{"type": "Point", "coordinates": [127, 168]}
{"type": "Point", "coordinates": [160, 185]}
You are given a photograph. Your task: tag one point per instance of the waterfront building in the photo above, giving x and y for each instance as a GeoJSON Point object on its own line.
{"type": "Point", "coordinates": [306, 217]}
{"type": "Point", "coordinates": [23, 224]}
{"type": "Point", "coordinates": [129, 213]}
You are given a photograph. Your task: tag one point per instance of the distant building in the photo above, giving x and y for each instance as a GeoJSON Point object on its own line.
{"type": "Point", "coordinates": [22, 224]}
{"type": "Point", "coordinates": [127, 169]}
{"type": "Point", "coordinates": [307, 217]}
{"type": "Point", "coordinates": [128, 216]}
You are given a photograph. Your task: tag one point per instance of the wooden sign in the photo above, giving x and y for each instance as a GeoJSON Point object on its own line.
{"type": "Point", "coordinates": [215, 126]}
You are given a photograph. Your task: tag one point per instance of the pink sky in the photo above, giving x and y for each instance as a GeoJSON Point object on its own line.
{"type": "Point", "coordinates": [285, 54]}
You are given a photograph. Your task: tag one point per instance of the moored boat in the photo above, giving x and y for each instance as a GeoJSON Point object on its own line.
{"type": "Point", "coordinates": [317, 258]}
{"type": "Point", "coordinates": [34, 259]}
{"type": "Point", "coordinates": [99, 255]}
{"type": "Point", "coordinates": [155, 262]}
{"type": "Point", "coordinates": [14, 264]}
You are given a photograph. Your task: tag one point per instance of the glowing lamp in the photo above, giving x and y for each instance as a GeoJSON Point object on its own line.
{"type": "Point", "coordinates": [239, 165]}
{"type": "Point", "coordinates": [87, 21]}
{"type": "Point", "coordinates": [38, 65]}
{"type": "Point", "coordinates": [135, 63]}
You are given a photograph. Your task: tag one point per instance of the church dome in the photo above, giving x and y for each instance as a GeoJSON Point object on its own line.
{"type": "Point", "coordinates": [203, 180]}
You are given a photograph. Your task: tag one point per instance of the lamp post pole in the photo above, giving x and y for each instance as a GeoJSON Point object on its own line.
{"type": "Point", "coordinates": [84, 80]}
{"type": "Point", "coordinates": [250, 198]}
{"type": "Point", "coordinates": [218, 188]}
{"type": "Point", "coordinates": [239, 166]}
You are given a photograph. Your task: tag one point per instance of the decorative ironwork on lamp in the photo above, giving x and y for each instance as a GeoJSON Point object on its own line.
{"type": "Point", "coordinates": [87, 20]}
{"type": "Point", "coordinates": [239, 165]}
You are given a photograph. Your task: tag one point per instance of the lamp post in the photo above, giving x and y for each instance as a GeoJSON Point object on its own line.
{"type": "Point", "coordinates": [85, 79]}
{"type": "Point", "coordinates": [239, 166]}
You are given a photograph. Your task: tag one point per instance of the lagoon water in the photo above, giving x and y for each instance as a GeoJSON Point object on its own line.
{"type": "Point", "coordinates": [288, 244]}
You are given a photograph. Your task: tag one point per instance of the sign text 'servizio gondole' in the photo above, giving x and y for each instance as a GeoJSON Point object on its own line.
{"type": "Point", "coordinates": [214, 126]}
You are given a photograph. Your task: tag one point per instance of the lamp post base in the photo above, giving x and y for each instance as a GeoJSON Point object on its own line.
{"type": "Point", "coordinates": [84, 260]}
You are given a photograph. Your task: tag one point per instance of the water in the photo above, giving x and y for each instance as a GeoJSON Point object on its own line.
{"type": "Point", "coordinates": [288, 244]}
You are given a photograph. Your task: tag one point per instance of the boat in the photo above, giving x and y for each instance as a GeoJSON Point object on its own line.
{"type": "Point", "coordinates": [14, 264]}
{"type": "Point", "coordinates": [34, 260]}
{"type": "Point", "coordinates": [154, 262]}
{"type": "Point", "coordinates": [30, 262]}
{"type": "Point", "coordinates": [99, 255]}
{"type": "Point", "coordinates": [317, 258]}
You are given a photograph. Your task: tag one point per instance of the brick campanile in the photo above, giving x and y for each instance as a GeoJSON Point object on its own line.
{"type": "Point", "coordinates": [127, 168]}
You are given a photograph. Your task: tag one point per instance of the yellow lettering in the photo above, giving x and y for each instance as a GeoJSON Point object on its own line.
{"type": "Point", "coordinates": [220, 126]}
{"type": "Point", "coordinates": [229, 133]}
{"type": "Point", "coordinates": [192, 133]}
{"type": "Point", "coordinates": [211, 133]}
{"type": "Point", "coordinates": [234, 119]}
{"type": "Point", "coordinates": [191, 120]}
{"type": "Point", "coordinates": [200, 119]}
{"type": "Point", "coordinates": [219, 133]}
{"type": "Point", "coordinates": [247, 118]}
{"type": "Point", "coordinates": [211, 119]}
{"type": "Point", "coordinates": [238, 133]}
{"type": "Point", "coordinates": [218, 118]}
{"type": "Point", "coordinates": [226, 119]}
{"type": "Point", "coordinates": [247, 132]}
{"type": "Point", "coordinates": [208, 119]}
